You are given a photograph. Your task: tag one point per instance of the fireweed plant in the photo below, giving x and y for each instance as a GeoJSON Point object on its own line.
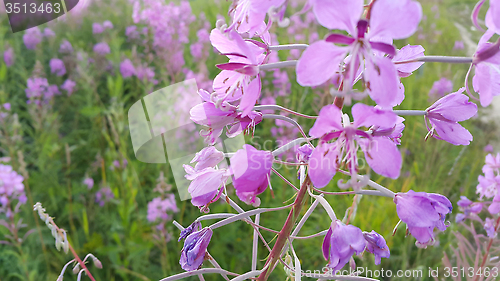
{"type": "Point", "coordinates": [360, 58]}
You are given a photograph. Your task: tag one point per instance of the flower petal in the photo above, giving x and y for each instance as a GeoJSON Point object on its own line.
{"type": "Point", "coordinates": [250, 96]}
{"type": "Point", "coordinates": [408, 52]}
{"type": "Point", "coordinates": [338, 14]}
{"type": "Point", "coordinates": [366, 116]}
{"type": "Point", "coordinates": [396, 19]}
{"type": "Point", "coordinates": [384, 157]}
{"type": "Point", "coordinates": [452, 132]}
{"type": "Point", "coordinates": [383, 81]}
{"type": "Point", "coordinates": [323, 164]}
{"type": "Point", "coordinates": [319, 62]}
{"type": "Point", "coordinates": [328, 121]}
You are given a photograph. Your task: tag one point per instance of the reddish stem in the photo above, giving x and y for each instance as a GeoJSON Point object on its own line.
{"type": "Point", "coordinates": [285, 232]}
{"type": "Point", "coordinates": [485, 257]}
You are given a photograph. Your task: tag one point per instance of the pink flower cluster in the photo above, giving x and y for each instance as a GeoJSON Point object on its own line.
{"type": "Point", "coordinates": [11, 190]}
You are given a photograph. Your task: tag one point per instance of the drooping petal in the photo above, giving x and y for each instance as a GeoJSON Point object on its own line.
{"type": "Point", "coordinates": [384, 157]}
{"type": "Point", "coordinates": [416, 211]}
{"type": "Point", "coordinates": [451, 132]}
{"type": "Point", "coordinates": [328, 120]}
{"type": "Point", "coordinates": [326, 244]}
{"type": "Point", "coordinates": [406, 53]}
{"type": "Point", "coordinates": [338, 14]}
{"type": "Point", "coordinates": [493, 16]}
{"type": "Point", "coordinates": [454, 107]}
{"type": "Point", "coordinates": [250, 96]}
{"type": "Point", "coordinates": [383, 81]}
{"type": "Point", "coordinates": [319, 62]}
{"type": "Point", "coordinates": [396, 19]}
{"type": "Point", "coordinates": [323, 164]}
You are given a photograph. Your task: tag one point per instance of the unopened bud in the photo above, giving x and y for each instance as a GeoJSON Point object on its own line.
{"type": "Point", "coordinates": [76, 269]}
{"type": "Point", "coordinates": [97, 263]}
{"type": "Point", "coordinates": [60, 278]}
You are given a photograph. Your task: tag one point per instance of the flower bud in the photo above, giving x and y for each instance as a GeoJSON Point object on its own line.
{"type": "Point", "coordinates": [76, 269]}
{"type": "Point", "coordinates": [97, 263]}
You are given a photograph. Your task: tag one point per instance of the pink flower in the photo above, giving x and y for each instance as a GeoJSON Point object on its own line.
{"type": "Point", "coordinates": [375, 244]}
{"type": "Point", "coordinates": [89, 182]}
{"type": "Point", "coordinates": [47, 32]}
{"type": "Point", "coordinates": [441, 87]}
{"type": "Point", "coordinates": [97, 28]}
{"type": "Point", "coordinates": [8, 57]}
{"type": "Point", "coordinates": [389, 20]}
{"type": "Point", "coordinates": [235, 82]}
{"type": "Point", "coordinates": [216, 119]}
{"type": "Point", "coordinates": [406, 53]}
{"type": "Point", "coordinates": [107, 24]}
{"type": "Point", "coordinates": [57, 67]}
{"type": "Point", "coordinates": [32, 38]}
{"type": "Point", "coordinates": [251, 171]}
{"type": "Point", "coordinates": [68, 86]}
{"type": "Point", "coordinates": [102, 48]}
{"type": "Point", "coordinates": [381, 153]}
{"type": "Point", "coordinates": [127, 69]}
{"type": "Point", "coordinates": [340, 243]}
{"type": "Point", "coordinates": [248, 15]}
{"type": "Point", "coordinates": [160, 208]}
{"type": "Point", "coordinates": [494, 208]}
{"type": "Point", "coordinates": [66, 47]}
{"type": "Point", "coordinates": [422, 212]}
{"type": "Point", "coordinates": [445, 114]}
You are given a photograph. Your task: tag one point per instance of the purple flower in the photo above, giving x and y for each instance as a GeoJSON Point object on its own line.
{"type": "Point", "coordinates": [251, 171]}
{"type": "Point", "coordinates": [103, 196]}
{"type": "Point", "coordinates": [38, 88]}
{"type": "Point", "coordinates": [97, 28]}
{"type": "Point", "coordinates": [492, 163]}
{"type": "Point", "coordinates": [127, 69]}
{"type": "Point", "coordinates": [217, 118]}
{"type": "Point", "coordinates": [441, 87]}
{"type": "Point", "coordinates": [89, 182]}
{"type": "Point", "coordinates": [422, 212]}
{"type": "Point", "coordinates": [375, 244]}
{"type": "Point", "coordinates": [407, 53]}
{"type": "Point", "coordinates": [248, 16]}
{"type": "Point", "coordinates": [8, 57]}
{"type": "Point", "coordinates": [489, 226]}
{"type": "Point", "coordinates": [459, 45]}
{"type": "Point", "coordinates": [381, 153]}
{"type": "Point", "coordinates": [207, 157]}
{"type": "Point", "coordinates": [145, 73]}
{"type": "Point", "coordinates": [195, 226]}
{"type": "Point", "coordinates": [158, 208]}
{"type": "Point", "coordinates": [445, 114]}
{"type": "Point", "coordinates": [107, 24]}
{"type": "Point", "coordinates": [66, 47]}
{"type": "Point", "coordinates": [489, 185]}
{"type": "Point", "coordinates": [68, 86]}
{"type": "Point", "coordinates": [488, 148]}
{"type": "Point", "coordinates": [32, 38]}
{"type": "Point", "coordinates": [11, 185]}
{"type": "Point", "coordinates": [131, 32]}
{"type": "Point", "coordinates": [468, 207]}
{"type": "Point", "coordinates": [102, 48]}
{"type": "Point", "coordinates": [389, 20]}
{"type": "Point", "coordinates": [195, 246]}
{"type": "Point", "coordinates": [235, 82]}
{"type": "Point", "coordinates": [341, 242]}
{"type": "Point", "coordinates": [57, 67]}
{"type": "Point", "coordinates": [47, 32]}
{"type": "Point", "coordinates": [304, 153]}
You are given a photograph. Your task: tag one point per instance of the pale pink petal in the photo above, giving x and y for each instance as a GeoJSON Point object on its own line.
{"type": "Point", "coordinates": [454, 107]}
{"type": "Point", "coordinates": [493, 16]}
{"type": "Point", "coordinates": [383, 81]}
{"type": "Point", "coordinates": [406, 53]}
{"type": "Point", "coordinates": [486, 82]}
{"type": "Point", "coordinates": [329, 120]}
{"type": "Point", "coordinates": [323, 164]}
{"type": "Point", "coordinates": [451, 132]}
{"type": "Point", "coordinates": [397, 19]}
{"type": "Point", "coordinates": [319, 62]}
{"type": "Point", "coordinates": [384, 157]}
{"type": "Point", "coordinates": [338, 14]}
{"type": "Point", "coordinates": [250, 96]}
{"type": "Point", "coordinates": [366, 116]}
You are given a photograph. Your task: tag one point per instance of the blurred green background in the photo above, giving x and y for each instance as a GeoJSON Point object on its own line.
{"type": "Point", "coordinates": [59, 144]}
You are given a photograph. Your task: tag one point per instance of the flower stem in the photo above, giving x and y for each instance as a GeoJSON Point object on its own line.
{"type": "Point", "coordinates": [410, 112]}
{"type": "Point", "coordinates": [280, 64]}
{"type": "Point", "coordinates": [444, 59]}
{"type": "Point", "coordinates": [285, 232]}
{"type": "Point", "coordinates": [288, 47]}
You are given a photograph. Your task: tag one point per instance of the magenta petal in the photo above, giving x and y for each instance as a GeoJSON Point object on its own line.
{"type": "Point", "coordinates": [338, 14]}
{"type": "Point", "coordinates": [454, 107]}
{"type": "Point", "coordinates": [396, 19]}
{"type": "Point", "coordinates": [416, 211]}
{"type": "Point", "coordinates": [328, 120]}
{"type": "Point", "coordinates": [323, 164]}
{"type": "Point", "coordinates": [452, 132]}
{"type": "Point", "coordinates": [384, 157]}
{"type": "Point", "coordinates": [384, 48]}
{"type": "Point", "coordinates": [318, 63]}
{"type": "Point", "coordinates": [250, 96]}
{"type": "Point", "coordinates": [339, 39]}
{"type": "Point", "coordinates": [493, 16]}
{"type": "Point", "coordinates": [383, 81]}
{"type": "Point", "coordinates": [326, 244]}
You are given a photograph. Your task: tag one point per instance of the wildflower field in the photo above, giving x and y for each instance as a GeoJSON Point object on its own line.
{"type": "Point", "coordinates": [80, 201]}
